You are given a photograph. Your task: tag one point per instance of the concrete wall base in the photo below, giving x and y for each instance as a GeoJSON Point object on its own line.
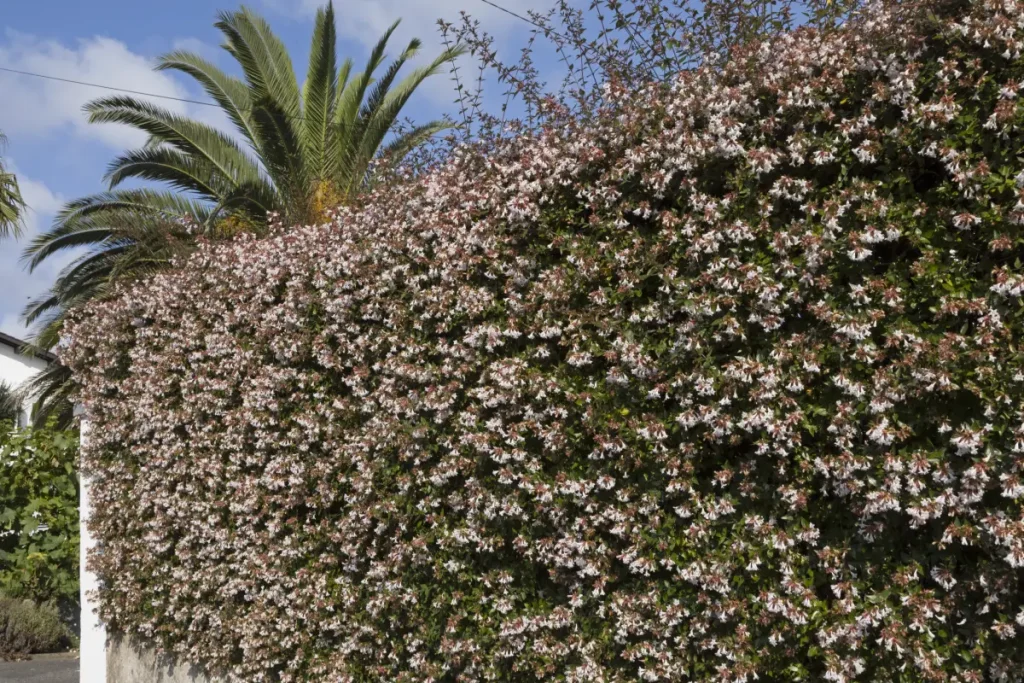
{"type": "Point", "coordinates": [129, 661]}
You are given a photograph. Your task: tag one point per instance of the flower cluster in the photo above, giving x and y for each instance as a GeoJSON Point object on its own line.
{"type": "Point", "coordinates": [726, 385]}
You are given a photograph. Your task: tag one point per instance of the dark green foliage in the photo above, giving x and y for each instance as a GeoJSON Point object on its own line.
{"type": "Point", "coordinates": [39, 515]}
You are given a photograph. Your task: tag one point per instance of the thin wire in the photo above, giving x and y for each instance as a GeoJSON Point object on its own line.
{"type": "Point", "coordinates": [109, 87]}
{"type": "Point", "coordinates": [526, 19]}
{"type": "Point", "coordinates": [132, 92]}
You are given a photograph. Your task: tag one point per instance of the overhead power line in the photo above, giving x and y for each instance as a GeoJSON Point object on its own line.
{"type": "Point", "coordinates": [109, 87]}
{"type": "Point", "coordinates": [114, 88]}
{"type": "Point", "coordinates": [522, 18]}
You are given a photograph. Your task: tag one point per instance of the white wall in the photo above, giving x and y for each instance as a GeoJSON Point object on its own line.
{"type": "Point", "coordinates": [92, 645]}
{"type": "Point", "coordinates": [15, 369]}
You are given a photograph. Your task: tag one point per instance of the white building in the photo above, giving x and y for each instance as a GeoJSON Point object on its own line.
{"type": "Point", "coordinates": [16, 368]}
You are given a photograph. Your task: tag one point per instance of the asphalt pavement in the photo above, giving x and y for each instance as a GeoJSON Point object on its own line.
{"type": "Point", "coordinates": [61, 668]}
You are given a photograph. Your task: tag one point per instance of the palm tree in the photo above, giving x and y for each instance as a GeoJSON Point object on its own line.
{"type": "Point", "coordinates": [11, 204]}
{"type": "Point", "coordinates": [308, 148]}
{"type": "Point", "coordinates": [304, 150]}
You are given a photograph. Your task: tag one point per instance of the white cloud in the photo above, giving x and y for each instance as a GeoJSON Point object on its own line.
{"type": "Point", "coordinates": [201, 48]}
{"type": "Point", "coordinates": [365, 20]}
{"type": "Point", "coordinates": [37, 107]}
{"type": "Point", "coordinates": [41, 203]}
{"type": "Point", "coordinates": [17, 286]}
{"type": "Point", "coordinates": [12, 326]}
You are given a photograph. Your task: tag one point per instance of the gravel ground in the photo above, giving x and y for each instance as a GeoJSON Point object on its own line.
{"type": "Point", "coordinates": [61, 668]}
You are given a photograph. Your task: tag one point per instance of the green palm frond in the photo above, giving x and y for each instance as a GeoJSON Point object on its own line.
{"type": "Point", "coordinates": [274, 93]}
{"type": "Point", "coordinates": [54, 390]}
{"type": "Point", "coordinates": [12, 206]}
{"type": "Point", "coordinates": [189, 137]}
{"type": "Point", "coordinates": [95, 220]}
{"type": "Point", "coordinates": [343, 74]}
{"type": "Point", "coordinates": [350, 98]}
{"type": "Point", "coordinates": [354, 131]}
{"type": "Point", "coordinates": [80, 281]}
{"type": "Point", "coordinates": [398, 149]}
{"type": "Point", "coordinates": [283, 157]}
{"type": "Point", "coordinates": [319, 94]}
{"type": "Point", "coordinates": [185, 172]}
{"type": "Point", "coordinates": [387, 106]}
{"type": "Point", "coordinates": [382, 86]}
{"type": "Point", "coordinates": [230, 93]}
{"type": "Point", "coordinates": [263, 58]}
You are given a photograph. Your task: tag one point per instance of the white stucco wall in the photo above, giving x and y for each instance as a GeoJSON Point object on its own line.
{"type": "Point", "coordinates": [16, 369]}
{"type": "Point", "coordinates": [129, 661]}
{"type": "Point", "coordinates": [93, 641]}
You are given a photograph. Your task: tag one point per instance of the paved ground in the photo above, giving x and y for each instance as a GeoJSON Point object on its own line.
{"type": "Point", "coordinates": [61, 668]}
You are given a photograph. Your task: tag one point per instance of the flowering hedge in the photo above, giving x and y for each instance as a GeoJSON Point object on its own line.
{"type": "Point", "coordinates": [726, 385]}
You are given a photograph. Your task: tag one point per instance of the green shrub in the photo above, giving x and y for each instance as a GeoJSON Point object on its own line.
{"type": "Point", "coordinates": [726, 385]}
{"type": "Point", "coordinates": [39, 515]}
{"type": "Point", "coordinates": [28, 628]}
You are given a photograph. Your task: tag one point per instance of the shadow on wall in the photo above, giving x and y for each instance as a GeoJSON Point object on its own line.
{"type": "Point", "coordinates": [129, 661]}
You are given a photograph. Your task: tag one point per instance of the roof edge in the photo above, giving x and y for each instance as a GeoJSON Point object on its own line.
{"type": "Point", "coordinates": [21, 346]}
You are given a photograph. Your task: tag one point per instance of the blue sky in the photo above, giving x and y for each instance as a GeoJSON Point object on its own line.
{"type": "Point", "coordinates": [59, 156]}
